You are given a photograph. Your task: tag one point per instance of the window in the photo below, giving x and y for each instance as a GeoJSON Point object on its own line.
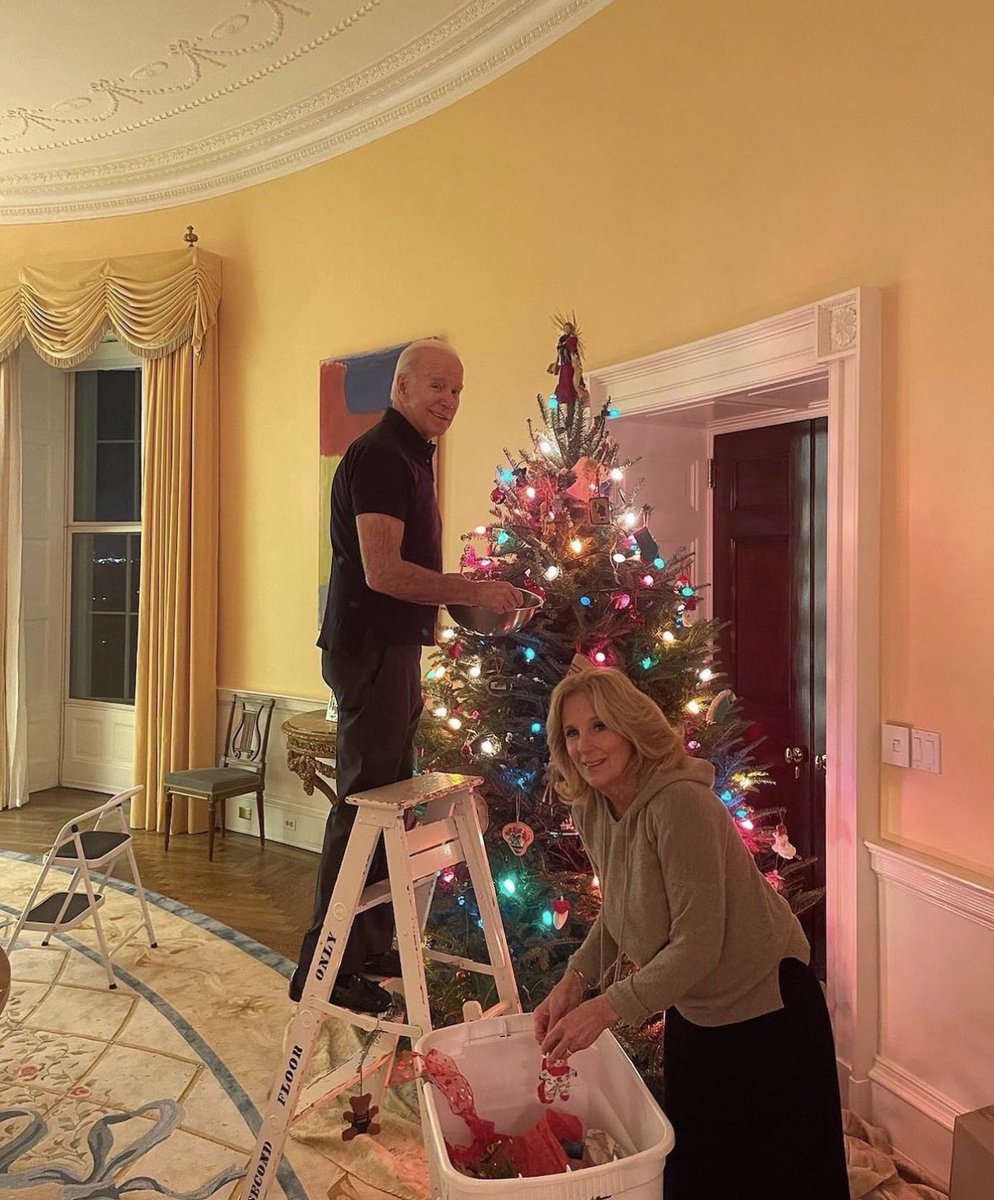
{"type": "Point", "coordinates": [105, 535]}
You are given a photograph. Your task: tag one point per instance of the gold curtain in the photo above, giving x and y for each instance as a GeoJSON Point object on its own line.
{"type": "Point", "coordinates": [13, 706]}
{"type": "Point", "coordinates": [163, 307]}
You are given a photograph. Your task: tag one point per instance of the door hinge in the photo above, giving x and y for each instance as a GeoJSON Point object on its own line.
{"type": "Point", "coordinates": [710, 472]}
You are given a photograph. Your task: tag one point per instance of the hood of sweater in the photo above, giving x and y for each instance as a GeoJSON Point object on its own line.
{"type": "Point", "coordinates": [691, 770]}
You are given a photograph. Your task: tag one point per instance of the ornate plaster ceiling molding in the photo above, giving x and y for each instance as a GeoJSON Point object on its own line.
{"type": "Point", "coordinates": [202, 97]}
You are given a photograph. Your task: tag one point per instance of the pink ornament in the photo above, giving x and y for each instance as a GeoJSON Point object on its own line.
{"type": "Point", "coordinates": [621, 600]}
{"type": "Point", "coordinates": [518, 836]}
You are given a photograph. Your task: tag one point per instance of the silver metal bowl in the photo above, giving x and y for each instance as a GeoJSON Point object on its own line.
{"type": "Point", "coordinates": [493, 624]}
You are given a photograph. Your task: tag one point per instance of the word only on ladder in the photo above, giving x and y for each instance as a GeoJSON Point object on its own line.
{"type": "Point", "coordinates": [449, 834]}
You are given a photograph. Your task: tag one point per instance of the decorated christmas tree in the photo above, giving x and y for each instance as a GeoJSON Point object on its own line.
{"type": "Point", "coordinates": [565, 526]}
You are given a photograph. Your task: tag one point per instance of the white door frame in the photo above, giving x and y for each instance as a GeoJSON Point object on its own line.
{"type": "Point", "coordinates": [839, 335]}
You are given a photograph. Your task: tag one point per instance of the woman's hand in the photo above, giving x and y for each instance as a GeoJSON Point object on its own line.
{"type": "Point", "coordinates": [579, 1028]}
{"type": "Point", "coordinates": [563, 998]}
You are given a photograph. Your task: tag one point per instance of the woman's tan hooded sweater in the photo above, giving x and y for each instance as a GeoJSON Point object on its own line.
{"type": "Point", "coordinates": [684, 900]}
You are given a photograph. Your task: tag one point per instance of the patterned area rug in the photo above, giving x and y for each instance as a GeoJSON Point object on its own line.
{"type": "Point", "coordinates": [153, 1089]}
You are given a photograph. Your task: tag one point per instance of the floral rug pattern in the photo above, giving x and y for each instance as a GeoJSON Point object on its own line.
{"type": "Point", "coordinates": [155, 1088]}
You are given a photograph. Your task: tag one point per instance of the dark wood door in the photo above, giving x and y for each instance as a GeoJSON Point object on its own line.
{"type": "Point", "coordinates": [769, 585]}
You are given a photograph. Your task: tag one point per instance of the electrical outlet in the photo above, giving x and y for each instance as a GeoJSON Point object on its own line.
{"type": "Point", "coordinates": [244, 812]}
{"type": "Point", "coordinates": [895, 745]}
{"type": "Point", "coordinates": [926, 751]}
{"type": "Point", "coordinates": [290, 824]}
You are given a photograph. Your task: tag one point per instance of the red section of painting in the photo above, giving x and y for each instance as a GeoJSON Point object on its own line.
{"type": "Point", "coordinates": [339, 427]}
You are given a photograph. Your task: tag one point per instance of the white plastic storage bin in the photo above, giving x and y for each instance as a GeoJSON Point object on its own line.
{"type": "Point", "coordinates": [501, 1061]}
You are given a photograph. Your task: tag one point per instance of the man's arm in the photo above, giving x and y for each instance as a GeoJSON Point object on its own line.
{"type": "Point", "coordinates": [380, 539]}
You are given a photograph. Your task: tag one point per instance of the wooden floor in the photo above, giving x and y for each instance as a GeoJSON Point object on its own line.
{"type": "Point", "coordinates": [264, 893]}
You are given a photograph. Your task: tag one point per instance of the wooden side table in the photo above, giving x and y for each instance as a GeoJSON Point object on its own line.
{"type": "Point", "coordinates": [311, 746]}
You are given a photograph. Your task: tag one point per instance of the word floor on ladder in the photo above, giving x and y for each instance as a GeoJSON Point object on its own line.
{"type": "Point", "coordinates": [450, 834]}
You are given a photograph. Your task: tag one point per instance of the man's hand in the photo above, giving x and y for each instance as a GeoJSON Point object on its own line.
{"type": "Point", "coordinates": [579, 1029]}
{"type": "Point", "coordinates": [496, 595]}
{"type": "Point", "coordinates": [563, 998]}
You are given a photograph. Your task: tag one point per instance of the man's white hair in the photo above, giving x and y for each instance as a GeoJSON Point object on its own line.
{"type": "Point", "coordinates": [410, 355]}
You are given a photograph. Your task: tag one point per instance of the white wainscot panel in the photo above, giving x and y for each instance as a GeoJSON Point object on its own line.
{"type": "Point", "coordinates": [936, 1046]}
{"type": "Point", "coordinates": [99, 746]}
{"type": "Point", "coordinates": [292, 817]}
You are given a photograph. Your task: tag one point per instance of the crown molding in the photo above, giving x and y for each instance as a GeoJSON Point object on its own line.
{"type": "Point", "coordinates": [475, 45]}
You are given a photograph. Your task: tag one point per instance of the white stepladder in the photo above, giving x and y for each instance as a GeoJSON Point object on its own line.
{"type": "Point", "coordinates": [450, 834]}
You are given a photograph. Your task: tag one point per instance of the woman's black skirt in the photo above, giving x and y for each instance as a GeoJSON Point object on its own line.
{"type": "Point", "coordinates": [755, 1105]}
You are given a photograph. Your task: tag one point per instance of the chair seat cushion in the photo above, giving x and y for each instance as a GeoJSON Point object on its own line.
{"type": "Point", "coordinates": [212, 781]}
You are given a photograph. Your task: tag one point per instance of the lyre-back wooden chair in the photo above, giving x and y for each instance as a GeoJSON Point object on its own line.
{"type": "Point", "coordinates": [241, 769]}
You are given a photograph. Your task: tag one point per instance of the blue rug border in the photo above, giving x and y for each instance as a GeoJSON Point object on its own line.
{"type": "Point", "coordinates": [265, 954]}
{"type": "Point", "coordinates": [236, 1093]}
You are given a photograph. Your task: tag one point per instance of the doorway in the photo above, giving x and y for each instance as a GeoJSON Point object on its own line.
{"type": "Point", "coordinates": [741, 481]}
{"type": "Point", "coordinates": [768, 550]}
{"type": "Point", "coordinates": [836, 339]}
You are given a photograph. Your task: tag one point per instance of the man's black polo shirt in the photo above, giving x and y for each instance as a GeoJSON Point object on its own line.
{"type": "Point", "coordinates": [388, 469]}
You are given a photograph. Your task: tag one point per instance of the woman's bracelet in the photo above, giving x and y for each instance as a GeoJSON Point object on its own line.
{"type": "Point", "coordinates": [580, 975]}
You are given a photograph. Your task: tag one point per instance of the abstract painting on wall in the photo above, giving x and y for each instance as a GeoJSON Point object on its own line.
{"type": "Point", "coordinates": [354, 393]}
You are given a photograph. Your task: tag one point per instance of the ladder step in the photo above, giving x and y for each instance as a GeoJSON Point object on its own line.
{"type": "Point", "coordinates": [368, 1021]}
{"type": "Point", "coordinates": [44, 915]}
{"type": "Point", "coordinates": [419, 790]}
{"type": "Point", "coordinates": [465, 964]}
{"type": "Point", "coordinates": [424, 866]}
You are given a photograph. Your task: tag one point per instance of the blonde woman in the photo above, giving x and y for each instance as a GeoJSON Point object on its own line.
{"type": "Point", "coordinates": [748, 1055]}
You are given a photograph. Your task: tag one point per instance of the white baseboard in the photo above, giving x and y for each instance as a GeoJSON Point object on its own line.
{"type": "Point", "coordinates": [936, 1039]}
{"type": "Point", "coordinates": [922, 1117]}
{"type": "Point", "coordinates": [292, 817]}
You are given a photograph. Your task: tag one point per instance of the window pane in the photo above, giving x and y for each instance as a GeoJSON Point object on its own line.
{"type": "Point", "coordinates": [107, 446]}
{"type": "Point", "coordinates": [114, 498]}
{"type": "Point", "coordinates": [102, 637]}
{"type": "Point", "coordinates": [106, 569]}
{"type": "Point", "coordinates": [117, 405]}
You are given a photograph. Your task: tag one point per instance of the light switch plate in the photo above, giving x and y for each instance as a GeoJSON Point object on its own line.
{"type": "Point", "coordinates": [926, 751]}
{"type": "Point", "coordinates": [895, 745]}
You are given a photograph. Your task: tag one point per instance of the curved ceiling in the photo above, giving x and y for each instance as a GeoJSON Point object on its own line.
{"type": "Point", "coordinates": [129, 105]}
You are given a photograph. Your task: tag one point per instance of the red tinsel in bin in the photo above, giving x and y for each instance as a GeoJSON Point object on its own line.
{"type": "Point", "coordinates": [537, 1152]}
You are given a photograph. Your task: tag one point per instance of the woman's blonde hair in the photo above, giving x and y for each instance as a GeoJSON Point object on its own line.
{"type": "Point", "coordinates": [623, 709]}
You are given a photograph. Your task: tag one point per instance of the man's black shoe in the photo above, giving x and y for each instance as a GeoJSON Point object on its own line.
{"type": "Point", "coordinates": [361, 995]}
{"type": "Point", "coordinates": [383, 966]}
{"type": "Point", "coordinates": [296, 988]}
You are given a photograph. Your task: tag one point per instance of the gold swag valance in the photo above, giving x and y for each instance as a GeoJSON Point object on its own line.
{"type": "Point", "coordinates": [163, 307]}
{"type": "Point", "coordinates": [155, 303]}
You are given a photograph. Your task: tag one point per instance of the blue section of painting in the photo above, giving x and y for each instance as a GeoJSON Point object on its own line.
{"type": "Point", "coordinates": [368, 378]}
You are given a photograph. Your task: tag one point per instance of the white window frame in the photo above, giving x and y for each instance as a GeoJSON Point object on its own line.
{"type": "Point", "coordinates": [109, 356]}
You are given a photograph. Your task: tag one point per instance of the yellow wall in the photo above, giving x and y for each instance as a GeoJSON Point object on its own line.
{"type": "Point", "coordinates": [669, 170]}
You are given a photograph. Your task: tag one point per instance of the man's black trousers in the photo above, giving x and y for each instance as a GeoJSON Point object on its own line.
{"type": "Point", "coordinates": [378, 692]}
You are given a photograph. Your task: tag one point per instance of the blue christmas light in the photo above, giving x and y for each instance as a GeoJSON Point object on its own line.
{"type": "Point", "coordinates": [462, 901]}
{"type": "Point", "coordinates": [529, 654]}
{"type": "Point", "coordinates": [613, 412]}
{"type": "Point", "coordinates": [536, 726]}
{"type": "Point", "coordinates": [646, 663]}
{"type": "Point", "coordinates": [506, 476]}
{"type": "Point", "coordinates": [508, 886]}
{"type": "Point", "coordinates": [547, 919]}
{"type": "Point", "coordinates": [586, 601]}
{"type": "Point", "coordinates": [727, 796]}
{"type": "Point", "coordinates": [687, 591]}
{"type": "Point", "coordinates": [553, 401]}
{"type": "Point", "coordinates": [503, 537]}
{"type": "Point", "coordinates": [659, 563]}
{"type": "Point", "coordinates": [742, 812]}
